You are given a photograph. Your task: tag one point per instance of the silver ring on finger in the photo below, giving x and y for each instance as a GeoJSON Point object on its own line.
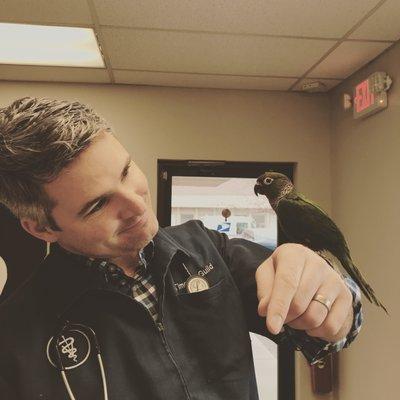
{"type": "Point", "coordinates": [324, 301]}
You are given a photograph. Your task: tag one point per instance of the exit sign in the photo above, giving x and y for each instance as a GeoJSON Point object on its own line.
{"type": "Point", "coordinates": [370, 95]}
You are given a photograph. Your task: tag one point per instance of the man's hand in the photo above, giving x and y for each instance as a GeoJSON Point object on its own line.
{"type": "Point", "coordinates": [286, 283]}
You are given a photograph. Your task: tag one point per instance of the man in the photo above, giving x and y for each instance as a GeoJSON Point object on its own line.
{"type": "Point", "coordinates": [123, 309]}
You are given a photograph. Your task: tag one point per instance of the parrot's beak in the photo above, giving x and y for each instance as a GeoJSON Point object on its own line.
{"type": "Point", "coordinates": [256, 188]}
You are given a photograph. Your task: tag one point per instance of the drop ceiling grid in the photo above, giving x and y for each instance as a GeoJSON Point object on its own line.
{"type": "Point", "coordinates": [75, 12]}
{"type": "Point", "coordinates": [347, 58]}
{"type": "Point", "coordinates": [253, 44]}
{"type": "Point", "coordinates": [53, 74]}
{"type": "Point", "coordinates": [211, 53]}
{"type": "Point", "coordinates": [383, 25]}
{"type": "Point", "coordinates": [203, 80]}
{"type": "Point", "coordinates": [322, 19]}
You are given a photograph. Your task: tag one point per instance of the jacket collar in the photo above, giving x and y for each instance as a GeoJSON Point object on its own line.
{"type": "Point", "coordinates": [166, 248]}
{"type": "Point", "coordinates": [65, 277]}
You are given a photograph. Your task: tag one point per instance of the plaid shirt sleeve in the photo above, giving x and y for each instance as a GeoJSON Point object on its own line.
{"type": "Point", "coordinates": [315, 349]}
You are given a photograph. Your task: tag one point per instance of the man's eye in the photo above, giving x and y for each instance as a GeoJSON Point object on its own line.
{"type": "Point", "coordinates": [126, 171]}
{"type": "Point", "coordinates": [98, 206]}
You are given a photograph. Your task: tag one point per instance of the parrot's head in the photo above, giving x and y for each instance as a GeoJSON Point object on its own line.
{"type": "Point", "coordinates": [273, 185]}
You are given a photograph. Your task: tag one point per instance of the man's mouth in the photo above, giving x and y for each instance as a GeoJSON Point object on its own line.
{"type": "Point", "coordinates": [139, 221]}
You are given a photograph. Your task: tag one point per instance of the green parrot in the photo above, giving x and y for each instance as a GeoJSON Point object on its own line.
{"type": "Point", "coordinates": [304, 222]}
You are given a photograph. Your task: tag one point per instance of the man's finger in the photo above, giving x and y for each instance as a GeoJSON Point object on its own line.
{"type": "Point", "coordinates": [288, 270]}
{"type": "Point", "coordinates": [310, 281]}
{"type": "Point", "coordinates": [336, 319]}
{"type": "Point", "coordinates": [265, 275]}
{"type": "Point", "coordinates": [316, 312]}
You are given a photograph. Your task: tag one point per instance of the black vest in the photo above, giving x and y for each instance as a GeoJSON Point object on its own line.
{"type": "Point", "coordinates": [201, 350]}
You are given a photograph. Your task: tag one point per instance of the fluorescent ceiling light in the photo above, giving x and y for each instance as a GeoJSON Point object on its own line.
{"type": "Point", "coordinates": [49, 45]}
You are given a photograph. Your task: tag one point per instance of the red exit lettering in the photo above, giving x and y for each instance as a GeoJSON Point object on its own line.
{"type": "Point", "coordinates": [363, 98]}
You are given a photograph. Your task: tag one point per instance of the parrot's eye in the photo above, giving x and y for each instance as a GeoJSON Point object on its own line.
{"type": "Point", "coordinates": [268, 181]}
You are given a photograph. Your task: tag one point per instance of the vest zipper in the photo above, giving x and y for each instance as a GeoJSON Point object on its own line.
{"type": "Point", "coordinates": [160, 328]}
{"type": "Point", "coordinates": [171, 356]}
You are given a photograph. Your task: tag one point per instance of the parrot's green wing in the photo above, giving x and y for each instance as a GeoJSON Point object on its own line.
{"type": "Point", "coordinates": [304, 222]}
{"type": "Point", "coordinates": [302, 197]}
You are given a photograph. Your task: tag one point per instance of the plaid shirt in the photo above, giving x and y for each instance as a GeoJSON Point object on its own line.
{"type": "Point", "coordinates": [142, 288]}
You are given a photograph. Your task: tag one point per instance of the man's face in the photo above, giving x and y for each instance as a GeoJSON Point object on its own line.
{"type": "Point", "coordinates": [102, 172]}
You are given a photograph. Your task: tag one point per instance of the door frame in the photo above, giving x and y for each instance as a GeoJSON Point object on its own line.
{"type": "Point", "coordinates": [167, 168]}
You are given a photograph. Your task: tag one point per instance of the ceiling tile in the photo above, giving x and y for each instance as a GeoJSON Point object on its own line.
{"type": "Point", "coordinates": [382, 25]}
{"type": "Point", "coordinates": [348, 58]}
{"type": "Point", "coordinates": [328, 83]}
{"type": "Point", "coordinates": [202, 81]}
{"type": "Point", "coordinates": [45, 11]}
{"type": "Point", "coordinates": [52, 74]}
{"type": "Point", "coordinates": [322, 18]}
{"type": "Point", "coordinates": [211, 53]}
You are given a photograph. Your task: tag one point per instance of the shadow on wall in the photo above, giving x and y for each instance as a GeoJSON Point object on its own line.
{"type": "Point", "coordinates": [20, 253]}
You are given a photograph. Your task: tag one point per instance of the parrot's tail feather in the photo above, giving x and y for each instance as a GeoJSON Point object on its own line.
{"type": "Point", "coordinates": [373, 298]}
{"type": "Point", "coordinates": [367, 290]}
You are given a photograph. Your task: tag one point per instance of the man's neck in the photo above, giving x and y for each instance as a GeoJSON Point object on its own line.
{"type": "Point", "coordinates": [129, 264]}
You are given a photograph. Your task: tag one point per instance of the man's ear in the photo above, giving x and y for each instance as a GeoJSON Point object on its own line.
{"type": "Point", "coordinates": [38, 231]}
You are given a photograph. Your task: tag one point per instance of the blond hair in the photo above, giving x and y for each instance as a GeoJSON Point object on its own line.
{"type": "Point", "coordinates": [38, 138]}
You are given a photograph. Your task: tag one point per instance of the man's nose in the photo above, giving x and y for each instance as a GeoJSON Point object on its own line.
{"type": "Point", "coordinates": [132, 204]}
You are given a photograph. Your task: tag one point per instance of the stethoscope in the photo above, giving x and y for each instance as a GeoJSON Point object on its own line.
{"type": "Point", "coordinates": [93, 340]}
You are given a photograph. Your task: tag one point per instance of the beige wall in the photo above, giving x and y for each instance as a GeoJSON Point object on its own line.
{"type": "Point", "coordinates": [157, 122]}
{"type": "Point", "coordinates": [366, 203]}
{"type": "Point", "coordinates": [212, 124]}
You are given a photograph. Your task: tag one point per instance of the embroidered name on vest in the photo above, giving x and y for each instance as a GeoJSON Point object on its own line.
{"type": "Point", "coordinates": [209, 267]}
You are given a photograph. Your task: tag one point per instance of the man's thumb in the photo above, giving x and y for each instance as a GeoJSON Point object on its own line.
{"type": "Point", "coordinates": [265, 275]}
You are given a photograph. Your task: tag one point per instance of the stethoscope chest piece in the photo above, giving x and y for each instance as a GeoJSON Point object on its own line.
{"type": "Point", "coordinates": [196, 284]}
{"type": "Point", "coordinates": [73, 346]}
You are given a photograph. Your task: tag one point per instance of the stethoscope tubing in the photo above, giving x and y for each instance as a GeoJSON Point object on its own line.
{"type": "Point", "coordinates": [99, 359]}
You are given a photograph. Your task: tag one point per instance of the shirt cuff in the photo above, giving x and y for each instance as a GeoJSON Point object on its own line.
{"type": "Point", "coordinates": [315, 349]}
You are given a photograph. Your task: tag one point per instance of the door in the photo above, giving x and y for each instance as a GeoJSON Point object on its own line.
{"type": "Point", "coordinates": [221, 195]}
